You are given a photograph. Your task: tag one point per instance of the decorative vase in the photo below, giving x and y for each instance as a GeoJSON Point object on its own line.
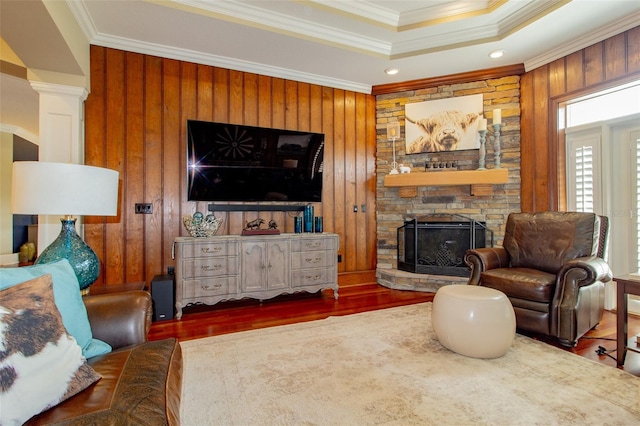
{"type": "Point", "coordinates": [69, 245]}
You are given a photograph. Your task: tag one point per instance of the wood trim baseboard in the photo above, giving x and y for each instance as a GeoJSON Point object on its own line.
{"type": "Point", "coordinates": [348, 279]}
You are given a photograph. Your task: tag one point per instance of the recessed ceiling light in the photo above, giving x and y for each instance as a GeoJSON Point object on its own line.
{"type": "Point", "coordinates": [496, 54]}
{"type": "Point", "coordinates": [391, 71]}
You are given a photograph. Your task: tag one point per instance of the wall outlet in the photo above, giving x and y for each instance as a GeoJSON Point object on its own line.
{"type": "Point", "coordinates": [144, 208]}
{"type": "Point", "coordinates": [339, 258]}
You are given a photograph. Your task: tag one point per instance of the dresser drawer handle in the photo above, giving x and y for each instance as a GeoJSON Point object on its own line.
{"type": "Point", "coordinates": [313, 277]}
{"type": "Point", "coordinates": [212, 287]}
{"type": "Point", "coordinates": [211, 250]}
{"type": "Point", "coordinates": [313, 260]}
{"type": "Point", "coordinates": [313, 244]}
{"type": "Point", "coordinates": [206, 268]}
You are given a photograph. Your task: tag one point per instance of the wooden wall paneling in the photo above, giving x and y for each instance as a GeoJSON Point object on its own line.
{"type": "Point", "coordinates": [206, 108]}
{"type": "Point", "coordinates": [115, 153]}
{"type": "Point", "coordinates": [542, 160]}
{"type": "Point", "coordinates": [593, 64]}
{"type": "Point", "coordinates": [134, 251]}
{"type": "Point", "coordinates": [599, 66]}
{"type": "Point", "coordinates": [575, 71]}
{"type": "Point", "coordinates": [315, 125]}
{"type": "Point", "coordinates": [290, 105]}
{"type": "Point", "coordinates": [153, 169]}
{"type": "Point", "coordinates": [339, 177]}
{"type": "Point", "coordinates": [136, 123]}
{"type": "Point", "coordinates": [264, 101]}
{"type": "Point", "coordinates": [95, 144]}
{"type": "Point", "coordinates": [304, 113]}
{"type": "Point", "coordinates": [633, 50]}
{"type": "Point", "coordinates": [328, 183]}
{"type": "Point", "coordinates": [188, 111]}
{"type": "Point", "coordinates": [615, 57]}
{"type": "Point", "coordinates": [362, 189]}
{"type": "Point", "coordinates": [527, 143]}
{"type": "Point", "coordinates": [557, 82]}
{"type": "Point", "coordinates": [236, 112]}
{"type": "Point", "coordinates": [370, 159]}
{"type": "Point", "coordinates": [173, 158]}
{"type": "Point", "coordinates": [353, 220]}
{"type": "Point", "coordinates": [220, 114]}
{"type": "Point", "coordinates": [278, 104]}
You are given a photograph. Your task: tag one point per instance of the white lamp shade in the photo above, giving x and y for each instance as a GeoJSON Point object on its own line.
{"type": "Point", "coordinates": [63, 189]}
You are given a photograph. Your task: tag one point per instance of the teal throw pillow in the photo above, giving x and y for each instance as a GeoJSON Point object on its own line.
{"type": "Point", "coordinates": [68, 299]}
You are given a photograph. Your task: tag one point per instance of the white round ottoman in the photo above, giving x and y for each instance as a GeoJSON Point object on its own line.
{"type": "Point", "coordinates": [474, 321]}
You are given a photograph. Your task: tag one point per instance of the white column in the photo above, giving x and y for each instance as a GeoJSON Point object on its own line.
{"type": "Point", "coordinates": [61, 138]}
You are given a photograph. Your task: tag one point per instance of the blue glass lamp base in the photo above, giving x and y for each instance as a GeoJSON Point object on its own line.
{"type": "Point", "coordinates": [69, 245]}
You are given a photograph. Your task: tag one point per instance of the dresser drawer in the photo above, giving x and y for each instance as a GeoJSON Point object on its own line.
{"type": "Point", "coordinates": [209, 267]}
{"type": "Point", "coordinates": [310, 259]}
{"type": "Point", "coordinates": [209, 249]}
{"type": "Point", "coordinates": [209, 287]}
{"type": "Point", "coordinates": [310, 277]}
{"type": "Point", "coordinates": [310, 244]}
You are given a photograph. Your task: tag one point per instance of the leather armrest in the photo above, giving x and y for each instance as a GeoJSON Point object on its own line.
{"type": "Point", "coordinates": [591, 269]}
{"type": "Point", "coordinates": [483, 259]}
{"type": "Point", "coordinates": [120, 319]}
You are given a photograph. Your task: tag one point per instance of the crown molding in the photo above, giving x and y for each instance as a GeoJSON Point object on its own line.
{"type": "Point", "coordinates": [59, 89]}
{"type": "Point", "coordinates": [19, 131]}
{"type": "Point", "coordinates": [464, 77]}
{"type": "Point", "coordinates": [592, 38]}
{"type": "Point", "coordinates": [225, 62]}
{"type": "Point", "coordinates": [258, 17]}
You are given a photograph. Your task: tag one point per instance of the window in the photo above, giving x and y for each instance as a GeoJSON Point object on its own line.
{"type": "Point", "coordinates": [602, 138]}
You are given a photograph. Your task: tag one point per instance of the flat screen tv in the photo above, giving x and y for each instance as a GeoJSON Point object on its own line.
{"type": "Point", "coordinates": [230, 162]}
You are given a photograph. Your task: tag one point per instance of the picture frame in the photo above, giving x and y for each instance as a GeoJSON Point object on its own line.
{"type": "Point", "coordinates": [449, 124]}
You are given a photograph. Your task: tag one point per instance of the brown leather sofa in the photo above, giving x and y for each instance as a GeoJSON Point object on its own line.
{"type": "Point", "coordinates": [552, 269]}
{"type": "Point", "coordinates": [141, 380]}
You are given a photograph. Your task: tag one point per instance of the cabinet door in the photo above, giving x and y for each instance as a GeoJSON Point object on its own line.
{"type": "Point", "coordinates": [278, 264]}
{"type": "Point", "coordinates": [254, 263]}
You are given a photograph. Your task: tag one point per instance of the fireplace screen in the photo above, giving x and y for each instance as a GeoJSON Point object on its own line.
{"type": "Point", "coordinates": [437, 246]}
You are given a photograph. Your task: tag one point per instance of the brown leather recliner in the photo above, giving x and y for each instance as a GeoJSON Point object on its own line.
{"type": "Point", "coordinates": [552, 268]}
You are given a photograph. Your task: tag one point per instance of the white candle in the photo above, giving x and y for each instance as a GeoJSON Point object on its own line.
{"type": "Point", "coordinates": [483, 124]}
{"type": "Point", "coordinates": [497, 116]}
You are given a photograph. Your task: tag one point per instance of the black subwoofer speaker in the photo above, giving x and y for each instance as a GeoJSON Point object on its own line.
{"type": "Point", "coordinates": [162, 293]}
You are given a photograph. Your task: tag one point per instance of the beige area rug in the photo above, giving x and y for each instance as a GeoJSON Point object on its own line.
{"type": "Point", "coordinates": [387, 368]}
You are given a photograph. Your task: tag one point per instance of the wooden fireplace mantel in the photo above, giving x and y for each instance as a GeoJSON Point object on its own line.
{"type": "Point", "coordinates": [481, 181]}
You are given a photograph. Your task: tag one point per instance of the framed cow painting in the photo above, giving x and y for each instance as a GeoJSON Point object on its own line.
{"type": "Point", "coordinates": [443, 125]}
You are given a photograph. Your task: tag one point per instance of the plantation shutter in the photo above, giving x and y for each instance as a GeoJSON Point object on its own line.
{"type": "Point", "coordinates": [583, 171]}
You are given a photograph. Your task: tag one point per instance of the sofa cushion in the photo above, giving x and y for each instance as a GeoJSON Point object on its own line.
{"type": "Point", "coordinates": [68, 300]}
{"type": "Point", "coordinates": [40, 364]}
{"type": "Point", "coordinates": [141, 385]}
{"type": "Point", "coordinates": [572, 234]}
{"type": "Point", "coordinates": [521, 283]}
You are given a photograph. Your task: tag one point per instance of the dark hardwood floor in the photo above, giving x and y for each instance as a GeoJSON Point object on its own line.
{"type": "Point", "coordinates": [234, 316]}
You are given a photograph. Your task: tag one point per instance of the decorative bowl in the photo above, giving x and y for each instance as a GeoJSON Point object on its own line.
{"type": "Point", "coordinates": [199, 226]}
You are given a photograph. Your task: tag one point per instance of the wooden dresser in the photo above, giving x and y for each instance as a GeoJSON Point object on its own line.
{"type": "Point", "coordinates": [226, 267]}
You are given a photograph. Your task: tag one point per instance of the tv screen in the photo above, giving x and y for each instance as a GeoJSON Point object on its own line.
{"type": "Point", "coordinates": [230, 162]}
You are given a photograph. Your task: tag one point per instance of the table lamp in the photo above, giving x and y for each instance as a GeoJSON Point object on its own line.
{"type": "Point", "coordinates": [66, 189]}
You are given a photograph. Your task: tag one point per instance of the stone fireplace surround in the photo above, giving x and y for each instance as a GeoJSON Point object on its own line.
{"type": "Point", "coordinates": [394, 205]}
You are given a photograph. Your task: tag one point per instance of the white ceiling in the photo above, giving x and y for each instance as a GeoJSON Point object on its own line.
{"type": "Point", "coordinates": [349, 43]}
{"type": "Point", "coordinates": [338, 43]}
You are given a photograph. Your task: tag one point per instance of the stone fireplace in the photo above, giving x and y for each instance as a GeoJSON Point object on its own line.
{"type": "Point", "coordinates": [485, 205]}
{"type": "Point", "coordinates": [436, 245]}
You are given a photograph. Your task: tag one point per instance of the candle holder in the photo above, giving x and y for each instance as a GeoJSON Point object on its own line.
{"type": "Point", "coordinates": [483, 152]}
{"type": "Point", "coordinates": [496, 141]}
{"type": "Point", "coordinates": [393, 130]}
